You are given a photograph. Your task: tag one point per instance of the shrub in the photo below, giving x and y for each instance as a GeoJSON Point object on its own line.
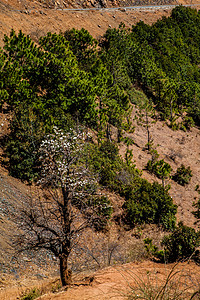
{"type": "Point", "coordinates": [150, 203]}
{"type": "Point", "coordinates": [181, 243]}
{"type": "Point", "coordinates": [160, 168]}
{"type": "Point", "coordinates": [196, 213]}
{"type": "Point", "coordinates": [182, 175]}
{"type": "Point", "coordinates": [104, 207]}
{"type": "Point", "coordinates": [187, 123]}
{"type": "Point", "coordinates": [152, 250]}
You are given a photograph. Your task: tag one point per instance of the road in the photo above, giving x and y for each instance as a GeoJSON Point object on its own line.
{"type": "Point", "coordinates": [124, 8]}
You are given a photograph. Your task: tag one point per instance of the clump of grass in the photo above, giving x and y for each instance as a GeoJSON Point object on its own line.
{"type": "Point", "coordinates": [177, 285]}
{"type": "Point", "coordinates": [56, 287]}
{"type": "Point", "coordinates": [31, 294]}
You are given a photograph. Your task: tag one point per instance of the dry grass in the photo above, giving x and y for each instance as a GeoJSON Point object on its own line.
{"type": "Point", "coordinates": [176, 284]}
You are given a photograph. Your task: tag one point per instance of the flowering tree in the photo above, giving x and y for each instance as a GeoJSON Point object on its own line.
{"type": "Point", "coordinates": [71, 203]}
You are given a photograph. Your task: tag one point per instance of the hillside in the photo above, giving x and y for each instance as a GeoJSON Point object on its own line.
{"type": "Point", "coordinates": [20, 273]}
{"type": "Point", "coordinates": [36, 20]}
{"type": "Point", "coordinates": [176, 147]}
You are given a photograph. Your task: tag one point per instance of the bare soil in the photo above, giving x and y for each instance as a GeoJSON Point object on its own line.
{"type": "Point", "coordinates": [117, 283]}
{"type": "Point", "coordinates": [35, 19]}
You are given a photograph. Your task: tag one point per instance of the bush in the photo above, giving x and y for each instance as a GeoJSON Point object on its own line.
{"type": "Point", "coordinates": [104, 207]}
{"type": "Point", "coordinates": [160, 168]}
{"type": "Point", "coordinates": [196, 213]}
{"type": "Point", "coordinates": [181, 244]}
{"type": "Point", "coordinates": [187, 123]}
{"type": "Point", "coordinates": [182, 175]}
{"type": "Point", "coordinates": [150, 203]}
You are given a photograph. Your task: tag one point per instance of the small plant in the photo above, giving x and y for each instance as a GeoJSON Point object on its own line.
{"type": "Point", "coordinates": [129, 156]}
{"type": "Point", "coordinates": [31, 294]}
{"type": "Point", "coordinates": [104, 211]}
{"type": "Point", "coordinates": [160, 168]}
{"type": "Point", "coordinates": [129, 152]}
{"type": "Point", "coordinates": [152, 250]}
{"type": "Point", "coordinates": [196, 213]}
{"type": "Point", "coordinates": [182, 175]}
{"type": "Point", "coordinates": [154, 155]}
{"type": "Point", "coordinates": [55, 288]}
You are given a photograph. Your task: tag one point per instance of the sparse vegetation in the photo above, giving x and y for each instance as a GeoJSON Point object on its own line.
{"type": "Point", "coordinates": [151, 287]}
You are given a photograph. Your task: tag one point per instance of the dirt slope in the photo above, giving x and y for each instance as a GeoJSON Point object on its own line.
{"type": "Point", "coordinates": [35, 19]}
{"type": "Point", "coordinates": [176, 148]}
{"type": "Point", "coordinates": [117, 283]}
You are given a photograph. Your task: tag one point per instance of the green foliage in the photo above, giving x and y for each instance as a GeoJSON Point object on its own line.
{"type": "Point", "coordinates": [181, 243]}
{"type": "Point", "coordinates": [160, 168]}
{"type": "Point", "coordinates": [187, 123]}
{"type": "Point", "coordinates": [104, 207]}
{"type": "Point", "coordinates": [150, 203]}
{"type": "Point", "coordinates": [21, 146]}
{"type": "Point", "coordinates": [83, 45]}
{"type": "Point", "coordinates": [48, 77]}
{"type": "Point", "coordinates": [196, 213]}
{"type": "Point", "coordinates": [69, 78]}
{"type": "Point", "coordinates": [152, 250]}
{"type": "Point", "coordinates": [164, 61]}
{"type": "Point", "coordinates": [3, 91]}
{"type": "Point", "coordinates": [182, 175]}
{"type": "Point", "coordinates": [106, 162]}
{"type": "Point", "coordinates": [113, 171]}
{"type": "Point", "coordinates": [31, 295]}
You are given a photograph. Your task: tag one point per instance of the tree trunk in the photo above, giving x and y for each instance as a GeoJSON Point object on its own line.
{"type": "Point", "coordinates": [163, 182]}
{"type": "Point", "coordinates": [148, 132]}
{"type": "Point", "coordinates": [65, 273]}
{"type": "Point", "coordinates": [119, 134]}
{"type": "Point", "coordinates": [108, 134]}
